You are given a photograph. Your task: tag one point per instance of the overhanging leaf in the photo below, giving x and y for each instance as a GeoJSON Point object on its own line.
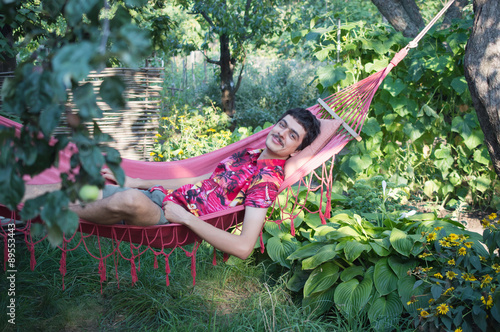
{"type": "Point", "coordinates": [384, 278]}
{"type": "Point", "coordinates": [401, 242]}
{"type": "Point", "coordinates": [352, 296]}
{"type": "Point", "coordinates": [322, 278]}
{"type": "Point", "coordinates": [385, 312]}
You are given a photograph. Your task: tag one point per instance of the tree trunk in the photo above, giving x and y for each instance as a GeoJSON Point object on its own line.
{"type": "Point", "coordinates": [8, 63]}
{"type": "Point", "coordinates": [226, 76]}
{"type": "Point", "coordinates": [482, 59]}
{"type": "Point", "coordinates": [454, 12]}
{"type": "Point", "coordinates": [403, 15]}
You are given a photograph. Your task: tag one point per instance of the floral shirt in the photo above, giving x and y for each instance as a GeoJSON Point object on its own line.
{"type": "Point", "coordinates": [239, 179]}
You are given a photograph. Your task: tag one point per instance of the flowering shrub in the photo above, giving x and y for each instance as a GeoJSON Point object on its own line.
{"type": "Point", "coordinates": [188, 133]}
{"type": "Point", "coordinates": [459, 281]}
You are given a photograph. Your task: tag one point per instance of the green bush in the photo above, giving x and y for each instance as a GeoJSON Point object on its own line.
{"type": "Point", "coordinates": [357, 261]}
{"type": "Point", "coordinates": [422, 130]}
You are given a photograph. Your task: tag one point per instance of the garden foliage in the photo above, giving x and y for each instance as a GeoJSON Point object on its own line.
{"type": "Point", "coordinates": [422, 130]}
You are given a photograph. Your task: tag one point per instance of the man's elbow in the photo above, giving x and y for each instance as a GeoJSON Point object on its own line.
{"type": "Point", "coordinates": [243, 252]}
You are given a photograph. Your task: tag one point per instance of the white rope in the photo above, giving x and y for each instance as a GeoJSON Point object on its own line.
{"type": "Point", "coordinates": [414, 42]}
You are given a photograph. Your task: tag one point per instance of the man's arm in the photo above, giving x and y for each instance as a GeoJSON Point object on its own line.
{"type": "Point", "coordinates": [146, 184]}
{"type": "Point", "coordinates": [240, 246]}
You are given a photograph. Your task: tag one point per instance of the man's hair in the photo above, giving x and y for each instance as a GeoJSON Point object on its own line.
{"type": "Point", "coordinates": [307, 120]}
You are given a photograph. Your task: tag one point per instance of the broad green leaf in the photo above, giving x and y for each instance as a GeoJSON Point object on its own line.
{"type": "Point", "coordinates": [353, 250]}
{"type": "Point", "coordinates": [352, 296]}
{"type": "Point", "coordinates": [322, 278]}
{"type": "Point", "coordinates": [406, 291]}
{"type": "Point", "coordinates": [475, 139]}
{"type": "Point", "coordinates": [384, 278]}
{"type": "Point", "coordinates": [298, 279]}
{"type": "Point", "coordinates": [413, 131]}
{"type": "Point", "coordinates": [400, 266]}
{"type": "Point", "coordinates": [385, 312]}
{"type": "Point", "coordinates": [318, 303]}
{"type": "Point", "coordinates": [376, 65]}
{"type": "Point", "coordinates": [459, 84]}
{"type": "Point", "coordinates": [360, 163]}
{"type": "Point", "coordinates": [394, 86]}
{"type": "Point", "coordinates": [482, 156]}
{"type": "Point", "coordinates": [330, 75]}
{"type": "Point", "coordinates": [279, 249]}
{"type": "Point", "coordinates": [313, 220]}
{"type": "Point", "coordinates": [307, 250]}
{"type": "Point", "coordinates": [274, 229]}
{"type": "Point", "coordinates": [371, 127]}
{"type": "Point", "coordinates": [351, 272]}
{"type": "Point", "coordinates": [85, 100]}
{"type": "Point", "coordinates": [377, 247]}
{"type": "Point", "coordinates": [343, 232]}
{"type": "Point", "coordinates": [401, 242]}
{"type": "Point", "coordinates": [323, 255]}
{"type": "Point", "coordinates": [72, 62]}
{"type": "Point", "coordinates": [430, 187]}
{"type": "Point", "coordinates": [111, 91]}
{"type": "Point", "coordinates": [482, 183]}
{"type": "Point", "coordinates": [74, 10]}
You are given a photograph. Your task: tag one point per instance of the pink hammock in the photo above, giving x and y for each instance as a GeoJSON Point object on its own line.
{"type": "Point", "coordinates": [349, 107]}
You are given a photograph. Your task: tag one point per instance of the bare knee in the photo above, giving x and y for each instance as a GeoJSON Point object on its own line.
{"type": "Point", "coordinates": [135, 207]}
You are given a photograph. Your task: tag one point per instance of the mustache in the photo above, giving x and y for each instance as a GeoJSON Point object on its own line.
{"type": "Point", "coordinates": [279, 139]}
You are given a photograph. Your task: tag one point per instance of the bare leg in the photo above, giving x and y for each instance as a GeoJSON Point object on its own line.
{"type": "Point", "coordinates": [131, 205]}
{"type": "Point", "coordinates": [35, 190]}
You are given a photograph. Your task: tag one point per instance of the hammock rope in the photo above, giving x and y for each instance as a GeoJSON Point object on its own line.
{"type": "Point", "coordinates": [349, 107]}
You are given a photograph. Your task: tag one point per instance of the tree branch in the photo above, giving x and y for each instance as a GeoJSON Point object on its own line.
{"type": "Point", "coordinates": [240, 76]}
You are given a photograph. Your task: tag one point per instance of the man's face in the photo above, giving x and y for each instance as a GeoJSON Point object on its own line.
{"type": "Point", "coordinates": [285, 137]}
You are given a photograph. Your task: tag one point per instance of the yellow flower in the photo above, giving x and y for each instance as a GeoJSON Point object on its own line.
{"type": "Point", "coordinates": [424, 313]}
{"type": "Point", "coordinates": [444, 243]}
{"type": "Point", "coordinates": [437, 229]}
{"type": "Point", "coordinates": [427, 269]}
{"type": "Point", "coordinates": [468, 277]}
{"type": "Point", "coordinates": [157, 135]}
{"type": "Point", "coordinates": [451, 262]}
{"type": "Point", "coordinates": [451, 275]}
{"type": "Point", "coordinates": [492, 216]}
{"type": "Point", "coordinates": [164, 118]}
{"type": "Point", "coordinates": [488, 303]}
{"type": "Point", "coordinates": [211, 130]}
{"type": "Point", "coordinates": [468, 244]}
{"type": "Point", "coordinates": [453, 237]}
{"type": "Point", "coordinates": [181, 152]}
{"type": "Point", "coordinates": [482, 259]}
{"type": "Point", "coordinates": [442, 309]}
{"type": "Point", "coordinates": [485, 222]}
{"type": "Point", "coordinates": [462, 251]}
{"type": "Point", "coordinates": [160, 155]}
{"type": "Point", "coordinates": [438, 275]}
{"type": "Point", "coordinates": [431, 237]}
{"type": "Point", "coordinates": [486, 280]}
{"type": "Point", "coordinates": [152, 154]}
{"type": "Point", "coordinates": [425, 254]}
{"type": "Point", "coordinates": [449, 290]}
{"type": "Point", "coordinates": [459, 330]}
{"type": "Point", "coordinates": [431, 300]}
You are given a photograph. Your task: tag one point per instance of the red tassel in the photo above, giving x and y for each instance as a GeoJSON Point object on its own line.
{"type": "Point", "coordinates": [155, 264]}
{"type": "Point", "coordinates": [167, 271]}
{"type": "Point", "coordinates": [133, 271]}
{"type": "Point", "coordinates": [225, 257]}
{"type": "Point", "coordinates": [214, 260]}
{"type": "Point", "coordinates": [31, 248]}
{"type": "Point", "coordinates": [193, 268]}
{"type": "Point", "coordinates": [102, 270]}
{"type": "Point", "coordinates": [293, 227]}
{"type": "Point", "coordinates": [62, 266]}
{"type": "Point", "coordinates": [262, 249]}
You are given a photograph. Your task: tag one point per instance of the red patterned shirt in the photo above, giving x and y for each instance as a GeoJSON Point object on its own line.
{"type": "Point", "coordinates": [239, 179]}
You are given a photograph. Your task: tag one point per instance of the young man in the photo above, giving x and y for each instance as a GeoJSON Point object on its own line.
{"type": "Point", "coordinates": [250, 177]}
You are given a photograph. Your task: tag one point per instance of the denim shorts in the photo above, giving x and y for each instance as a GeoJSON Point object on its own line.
{"type": "Point", "coordinates": [156, 196]}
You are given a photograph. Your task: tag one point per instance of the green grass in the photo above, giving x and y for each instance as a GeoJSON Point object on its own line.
{"type": "Point", "coordinates": [242, 296]}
